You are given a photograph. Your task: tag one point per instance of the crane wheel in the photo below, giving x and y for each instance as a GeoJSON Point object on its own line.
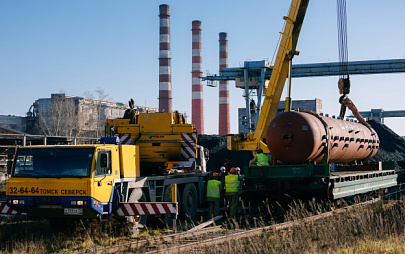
{"type": "Point", "coordinates": [189, 202]}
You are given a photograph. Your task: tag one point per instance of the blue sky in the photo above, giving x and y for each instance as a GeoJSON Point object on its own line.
{"type": "Point", "coordinates": [48, 46]}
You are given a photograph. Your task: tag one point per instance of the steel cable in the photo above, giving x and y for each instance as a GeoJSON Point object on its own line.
{"type": "Point", "coordinates": [342, 38]}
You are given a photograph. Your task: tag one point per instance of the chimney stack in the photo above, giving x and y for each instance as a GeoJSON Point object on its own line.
{"type": "Point", "coordinates": [223, 86]}
{"type": "Point", "coordinates": [165, 87]}
{"type": "Point", "coordinates": [196, 73]}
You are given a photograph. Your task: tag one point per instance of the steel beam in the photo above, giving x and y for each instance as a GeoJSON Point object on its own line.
{"type": "Point", "coordinates": [318, 69]}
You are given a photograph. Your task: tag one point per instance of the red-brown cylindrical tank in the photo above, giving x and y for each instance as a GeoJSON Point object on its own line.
{"type": "Point", "coordinates": [306, 137]}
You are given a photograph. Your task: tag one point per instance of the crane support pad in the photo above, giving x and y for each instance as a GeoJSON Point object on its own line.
{"type": "Point", "coordinates": [146, 208]}
{"type": "Point", "coordinates": [4, 209]}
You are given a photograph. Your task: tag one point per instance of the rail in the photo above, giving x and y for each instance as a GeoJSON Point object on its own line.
{"type": "Point", "coordinates": [127, 247]}
{"type": "Point", "coordinates": [195, 241]}
{"type": "Point", "coordinates": [203, 238]}
{"type": "Point", "coordinates": [193, 246]}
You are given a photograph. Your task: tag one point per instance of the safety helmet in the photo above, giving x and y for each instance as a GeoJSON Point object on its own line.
{"type": "Point", "coordinates": [215, 175]}
{"type": "Point", "coordinates": [237, 168]}
{"type": "Point", "coordinates": [259, 150]}
{"type": "Point", "coordinates": [232, 171]}
{"type": "Point", "coordinates": [223, 168]}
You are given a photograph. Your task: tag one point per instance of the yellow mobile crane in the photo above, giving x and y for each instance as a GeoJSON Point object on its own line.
{"type": "Point", "coordinates": [282, 65]}
{"type": "Point", "coordinates": [129, 174]}
{"type": "Point", "coordinates": [332, 150]}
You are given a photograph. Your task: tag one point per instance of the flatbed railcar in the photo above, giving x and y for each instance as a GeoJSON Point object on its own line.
{"type": "Point", "coordinates": [317, 181]}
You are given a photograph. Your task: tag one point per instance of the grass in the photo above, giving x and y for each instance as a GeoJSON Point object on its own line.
{"type": "Point", "coordinates": [20, 235]}
{"type": "Point", "coordinates": [379, 228]}
{"type": "Point", "coordinates": [394, 244]}
{"type": "Point", "coordinates": [39, 236]}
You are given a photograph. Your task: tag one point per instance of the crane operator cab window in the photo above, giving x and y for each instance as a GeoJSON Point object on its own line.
{"type": "Point", "coordinates": [103, 163]}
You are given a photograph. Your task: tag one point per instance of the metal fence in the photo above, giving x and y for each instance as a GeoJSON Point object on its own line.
{"type": "Point", "coordinates": [28, 139]}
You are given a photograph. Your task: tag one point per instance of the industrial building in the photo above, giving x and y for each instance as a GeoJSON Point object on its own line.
{"type": "Point", "coordinates": [86, 111]}
{"type": "Point", "coordinates": [13, 123]}
{"type": "Point", "coordinates": [90, 113]}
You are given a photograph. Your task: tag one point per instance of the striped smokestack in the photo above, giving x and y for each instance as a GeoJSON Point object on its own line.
{"type": "Point", "coordinates": [223, 86]}
{"type": "Point", "coordinates": [165, 86]}
{"type": "Point", "coordinates": [196, 73]}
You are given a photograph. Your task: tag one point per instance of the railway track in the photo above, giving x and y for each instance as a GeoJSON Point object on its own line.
{"type": "Point", "coordinates": [202, 239]}
{"type": "Point", "coordinates": [234, 236]}
{"type": "Point", "coordinates": [205, 238]}
{"type": "Point", "coordinates": [153, 243]}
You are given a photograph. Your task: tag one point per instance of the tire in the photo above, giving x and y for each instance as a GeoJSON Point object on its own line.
{"type": "Point", "coordinates": [189, 201]}
{"type": "Point", "coordinates": [136, 222]}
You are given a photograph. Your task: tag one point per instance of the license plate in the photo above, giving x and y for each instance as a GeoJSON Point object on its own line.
{"type": "Point", "coordinates": [73, 211]}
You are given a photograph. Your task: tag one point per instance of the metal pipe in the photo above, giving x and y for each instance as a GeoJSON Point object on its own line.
{"type": "Point", "coordinates": [246, 80]}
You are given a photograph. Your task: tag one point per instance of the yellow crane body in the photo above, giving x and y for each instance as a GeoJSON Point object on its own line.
{"type": "Point", "coordinates": [164, 139]}
{"type": "Point", "coordinates": [286, 51]}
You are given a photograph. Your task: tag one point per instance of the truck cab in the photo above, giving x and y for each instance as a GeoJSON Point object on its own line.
{"type": "Point", "coordinates": [59, 181]}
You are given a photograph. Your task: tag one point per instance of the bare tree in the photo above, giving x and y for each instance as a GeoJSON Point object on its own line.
{"type": "Point", "coordinates": [101, 111]}
{"type": "Point", "coordinates": [97, 118]}
{"type": "Point", "coordinates": [61, 118]}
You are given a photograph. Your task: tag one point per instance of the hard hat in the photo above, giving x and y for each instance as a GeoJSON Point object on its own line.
{"type": "Point", "coordinates": [259, 150]}
{"type": "Point", "coordinates": [237, 168]}
{"type": "Point", "coordinates": [233, 170]}
{"type": "Point", "coordinates": [223, 168]}
{"type": "Point", "coordinates": [215, 175]}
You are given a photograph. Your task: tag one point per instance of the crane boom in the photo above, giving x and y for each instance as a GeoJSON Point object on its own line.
{"type": "Point", "coordinates": [286, 52]}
